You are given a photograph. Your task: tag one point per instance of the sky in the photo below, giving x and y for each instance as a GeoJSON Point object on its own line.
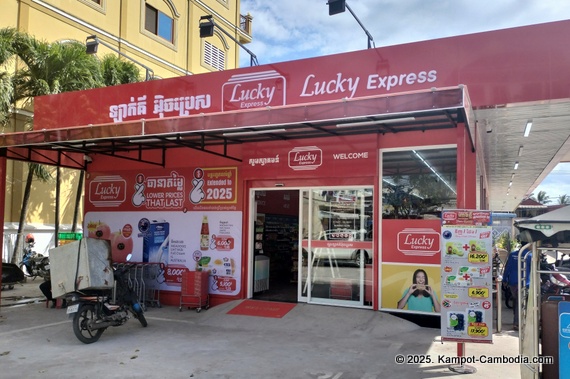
{"type": "Point", "coordinates": [286, 30]}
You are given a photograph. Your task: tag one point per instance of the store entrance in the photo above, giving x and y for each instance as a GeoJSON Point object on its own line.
{"type": "Point", "coordinates": [312, 245]}
{"type": "Point", "coordinates": [275, 245]}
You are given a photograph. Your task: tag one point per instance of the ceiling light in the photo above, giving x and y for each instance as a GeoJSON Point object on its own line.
{"type": "Point", "coordinates": [434, 171]}
{"type": "Point", "coordinates": [253, 132]}
{"type": "Point", "coordinates": [527, 128]}
{"type": "Point", "coordinates": [375, 122]}
{"type": "Point", "coordinates": [520, 150]}
{"type": "Point", "coordinates": [516, 165]}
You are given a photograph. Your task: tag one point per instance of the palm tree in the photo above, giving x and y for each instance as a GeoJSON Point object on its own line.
{"type": "Point", "coordinates": [7, 36]}
{"type": "Point", "coordinates": [9, 39]}
{"type": "Point", "coordinates": [564, 199]}
{"type": "Point", "coordinates": [116, 71]}
{"type": "Point", "coordinates": [45, 69]}
{"type": "Point", "coordinates": [542, 197]}
{"type": "Point", "coordinates": [51, 68]}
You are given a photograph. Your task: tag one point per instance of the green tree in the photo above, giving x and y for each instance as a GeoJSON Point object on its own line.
{"type": "Point", "coordinates": [564, 199]}
{"type": "Point", "coordinates": [44, 68]}
{"type": "Point", "coordinates": [7, 36]}
{"type": "Point", "coordinates": [116, 71]}
{"type": "Point", "coordinates": [542, 197]}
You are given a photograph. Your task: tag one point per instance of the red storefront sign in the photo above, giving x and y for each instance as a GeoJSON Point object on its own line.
{"type": "Point", "coordinates": [181, 189]}
{"type": "Point", "coordinates": [107, 191]}
{"type": "Point", "coordinates": [254, 90]}
{"type": "Point", "coordinates": [350, 156]}
{"type": "Point", "coordinates": [305, 158]}
{"type": "Point", "coordinates": [419, 242]}
{"type": "Point", "coordinates": [411, 241]}
{"type": "Point", "coordinates": [387, 70]}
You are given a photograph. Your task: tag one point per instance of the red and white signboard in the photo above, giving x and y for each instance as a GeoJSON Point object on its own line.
{"type": "Point", "coordinates": [386, 70]}
{"type": "Point", "coordinates": [411, 241]}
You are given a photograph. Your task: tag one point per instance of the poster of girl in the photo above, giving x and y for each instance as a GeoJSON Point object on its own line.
{"type": "Point", "coordinates": [420, 296]}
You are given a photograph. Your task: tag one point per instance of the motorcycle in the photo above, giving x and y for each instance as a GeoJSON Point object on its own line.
{"type": "Point", "coordinates": [94, 311]}
{"type": "Point", "coordinates": [556, 282]}
{"type": "Point", "coordinates": [34, 264]}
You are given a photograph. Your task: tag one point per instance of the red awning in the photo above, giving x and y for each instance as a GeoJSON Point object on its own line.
{"type": "Point", "coordinates": [403, 112]}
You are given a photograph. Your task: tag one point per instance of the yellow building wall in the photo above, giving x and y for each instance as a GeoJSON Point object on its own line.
{"type": "Point", "coordinates": [121, 24]}
{"type": "Point", "coordinates": [9, 14]}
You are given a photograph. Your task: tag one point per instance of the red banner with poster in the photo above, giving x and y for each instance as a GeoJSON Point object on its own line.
{"type": "Point", "coordinates": [181, 189]}
{"type": "Point", "coordinates": [171, 221]}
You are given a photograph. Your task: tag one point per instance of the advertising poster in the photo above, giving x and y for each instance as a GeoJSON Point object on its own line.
{"type": "Point", "coordinates": [410, 271]}
{"type": "Point", "coordinates": [411, 288]}
{"type": "Point", "coordinates": [171, 221]}
{"type": "Point", "coordinates": [466, 276]}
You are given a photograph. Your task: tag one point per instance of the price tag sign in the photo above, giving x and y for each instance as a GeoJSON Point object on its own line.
{"type": "Point", "coordinates": [478, 292]}
{"type": "Point", "coordinates": [173, 273]}
{"type": "Point", "coordinates": [475, 330]}
{"type": "Point", "coordinates": [225, 283]}
{"type": "Point", "coordinates": [478, 257]}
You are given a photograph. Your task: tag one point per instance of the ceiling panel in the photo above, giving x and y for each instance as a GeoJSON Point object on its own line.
{"type": "Point", "coordinates": [501, 131]}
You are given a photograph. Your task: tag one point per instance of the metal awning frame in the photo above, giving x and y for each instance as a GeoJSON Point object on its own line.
{"type": "Point", "coordinates": [148, 140]}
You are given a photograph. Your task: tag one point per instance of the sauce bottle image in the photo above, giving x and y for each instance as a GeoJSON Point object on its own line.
{"type": "Point", "coordinates": [204, 234]}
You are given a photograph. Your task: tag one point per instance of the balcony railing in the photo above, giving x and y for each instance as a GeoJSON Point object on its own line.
{"type": "Point", "coordinates": [245, 23]}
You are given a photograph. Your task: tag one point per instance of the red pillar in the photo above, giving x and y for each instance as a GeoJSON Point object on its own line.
{"type": "Point", "coordinates": [466, 171]}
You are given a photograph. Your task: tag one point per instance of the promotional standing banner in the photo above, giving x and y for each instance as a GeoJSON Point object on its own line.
{"type": "Point", "coordinates": [466, 276]}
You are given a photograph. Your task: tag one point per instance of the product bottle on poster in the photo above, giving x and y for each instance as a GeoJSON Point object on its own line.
{"type": "Point", "coordinates": [204, 234]}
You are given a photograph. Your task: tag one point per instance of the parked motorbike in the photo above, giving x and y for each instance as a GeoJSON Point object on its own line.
{"type": "Point", "coordinates": [34, 264]}
{"type": "Point", "coordinates": [95, 310]}
{"type": "Point", "coordinates": [556, 282]}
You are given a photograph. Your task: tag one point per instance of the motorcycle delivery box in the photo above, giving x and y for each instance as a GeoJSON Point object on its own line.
{"type": "Point", "coordinates": [81, 265]}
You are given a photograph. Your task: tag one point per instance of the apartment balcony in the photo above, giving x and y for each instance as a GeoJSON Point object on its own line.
{"type": "Point", "coordinates": [245, 26]}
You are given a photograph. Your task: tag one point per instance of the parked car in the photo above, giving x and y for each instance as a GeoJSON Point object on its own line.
{"type": "Point", "coordinates": [339, 252]}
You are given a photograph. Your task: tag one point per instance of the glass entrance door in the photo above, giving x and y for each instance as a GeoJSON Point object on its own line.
{"type": "Point", "coordinates": [336, 249]}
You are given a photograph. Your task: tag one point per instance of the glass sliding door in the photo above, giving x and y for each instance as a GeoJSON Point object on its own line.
{"type": "Point", "coordinates": [337, 248]}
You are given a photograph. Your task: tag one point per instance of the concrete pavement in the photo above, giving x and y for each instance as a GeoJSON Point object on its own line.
{"type": "Point", "coordinates": [310, 342]}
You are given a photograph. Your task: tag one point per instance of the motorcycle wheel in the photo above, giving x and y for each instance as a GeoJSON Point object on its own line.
{"type": "Point", "coordinates": [85, 316]}
{"type": "Point", "coordinates": [139, 314]}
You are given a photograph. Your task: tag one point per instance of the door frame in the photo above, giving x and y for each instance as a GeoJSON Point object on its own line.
{"type": "Point", "coordinates": [251, 219]}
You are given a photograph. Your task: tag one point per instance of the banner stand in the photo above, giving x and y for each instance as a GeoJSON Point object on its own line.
{"type": "Point", "coordinates": [462, 368]}
{"type": "Point", "coordinates": [467, 284]}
